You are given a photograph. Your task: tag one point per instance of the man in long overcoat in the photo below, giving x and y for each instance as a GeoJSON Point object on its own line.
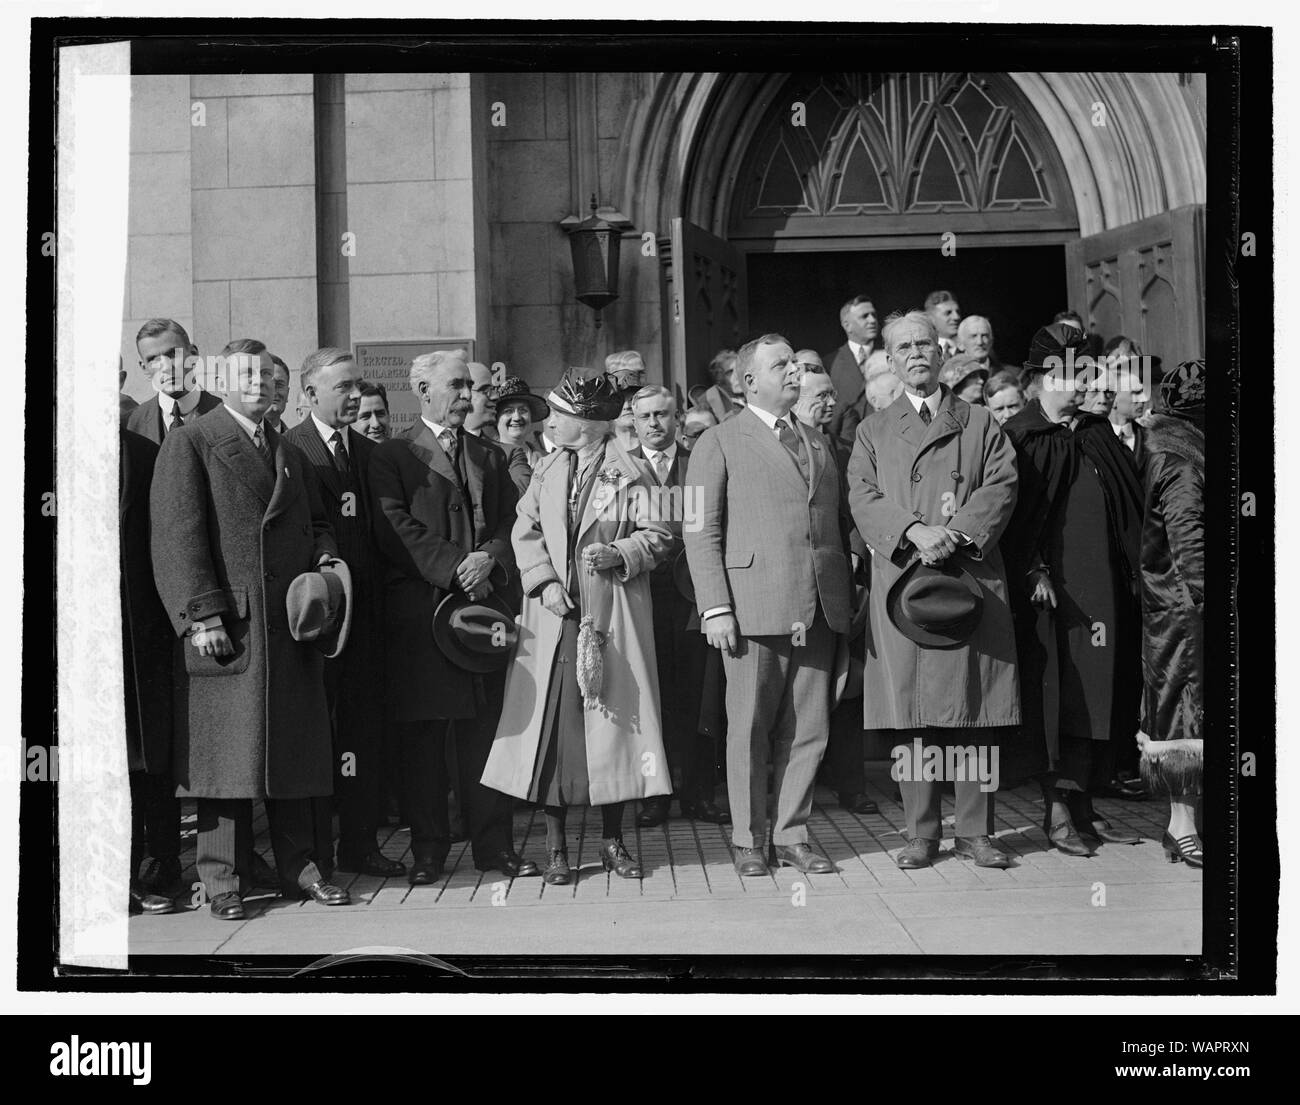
{"type": "Point", "coordinates": [932, 477]}
{"type": "Point", "coordinates": [444, 504]}
{"type": "Point", "coordinates": [236, 517]}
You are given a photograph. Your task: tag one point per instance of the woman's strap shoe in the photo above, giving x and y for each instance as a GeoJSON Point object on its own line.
{"type": "Point", "coordinates": [1185, 848]}
{"type": "Point", "coordinates": [1063, 837]}
{"type": "Point", "coordinates": [615, 857]}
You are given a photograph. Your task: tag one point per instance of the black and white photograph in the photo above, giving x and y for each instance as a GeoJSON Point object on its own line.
{"type": "Point", "coordinates": [744, 497]}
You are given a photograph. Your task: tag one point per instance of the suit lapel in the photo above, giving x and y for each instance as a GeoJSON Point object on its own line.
{"type": "Point", "coordinates": [553, 508]}
{"type": "Point", "coordinates": [309, 441]}
{"type": "Point", "coordinates": [769, 446]}
{"type": "Point", "coordinates": [613, 460]}
{"type": "Point", "coordinates": [234, 448]}
{"type": "Point", "coordinates": [474, 451]}
{"type": "Point", "coordinates": [944, 424]}
{"type": "Point", "coordinates": [427, 448]}
{"type": "Point", "coordinates": [815, 445]}
{"type": "Point", "coordinates": [287, 474]}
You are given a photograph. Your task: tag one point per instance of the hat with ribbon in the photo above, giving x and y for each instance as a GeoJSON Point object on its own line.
{"type": "Point", "coordinates": [319, 605]}
{"type": "Point", "coordinates": [475, 636]}
{"type": "Point", "coordinates": [959, 368]}
{"type": "Point", "coordinates": [514, 390]}
{"type": "Point", "coordinates": [936, 605]}
{"type": "Point", "coordinates": [594, 399]}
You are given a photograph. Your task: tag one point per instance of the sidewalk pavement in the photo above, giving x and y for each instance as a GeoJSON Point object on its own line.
{"type": "Point", "coordinates": [1124, 900]}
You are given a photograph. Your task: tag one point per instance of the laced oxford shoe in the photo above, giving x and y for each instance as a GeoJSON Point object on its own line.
{"type": "Point", "coordinates": [373, 863]}
{"type": "Point", "coordinates": [654, 812]}
{"type": "Point", "coordinates": [858, 803]}
{"type": "Point", "coordinates": [802, 858]}
{"type": "Point", "coordinates": [327, 893]}
{"type": "Point", "coordinates": [510, 863]}
{"type": "Point", "coordinates": [983, 851]}
{"type": "Point", "coordinates": [917, 853]}
{"type": "Point", "coordinates": [615, 856]}
{"type": "Point", "coordinates": [705, 811]}
{"type": "Point", "coordinates": [751, 862]}
{"type": "Point", "coordinates": [557, 871]}
{"type": "Point", "coordinates": [142, 901]}
{"type": "Point", "coordinates": [227, 907]}
{"type": "Point", "coordinates": [425, 873]}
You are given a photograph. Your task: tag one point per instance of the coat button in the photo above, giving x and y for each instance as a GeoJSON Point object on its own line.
{"type": "Point", "coordinates": [269, 577]}
{"type": "Point", "coordinates": [917, 514]}
{"type": "Point", "coordinates": [916, 477]}
{"type": "Point", "coordinates": [183, 616]}
{"type": "Point", "coordinates": [955, 475]}
{"type": "Point", "coordinates": [454, 506]}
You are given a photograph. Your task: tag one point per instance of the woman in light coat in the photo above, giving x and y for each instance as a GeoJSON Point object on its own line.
{"type": "Point", "coordinates": [581, 722]}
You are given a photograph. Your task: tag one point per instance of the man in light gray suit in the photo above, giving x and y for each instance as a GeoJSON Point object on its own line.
{"type": "Point", "coordinates": [769, 560]}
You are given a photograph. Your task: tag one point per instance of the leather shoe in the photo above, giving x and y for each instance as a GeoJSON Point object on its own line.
{"type": "Point", "coordinates": [374, 863]}
{"type": "Point", "coordinates": [1102, 830]}
{"type": "Point", "coordinates": [751, 862]}
{"type": "Point", "coordinates": [705, 811]}
{"type": "Point", "coordinates": [858, 803]}
{"type": "Point", "coordinates": [161, 875]}
{"type": "Point", "coordinates": [510, 863]}
{"type": "Point", "coordinates": [615, 856]}
{"type": "Point", "coordinates": [142, 901]}
{"type": "Point", "coordinates": [327, 893]}
{"type": "Point", "coordinates": [425, 873]}
{"type": "Point", "coordinates": [802, 858]}
{"type": "Point", "coordinates": [1063, 836]}
{"type": "Point", "coordinates": [983, 851]}
{"type": "Point", "coordinates": [557, 871]}
{"type": "Point", "coordinates": [227, 906]}
{"type": "Point", "coordinates": [917, 853]}
{"type": "Point", "coordinates": [263, 875]}
{"type": "Point", "coordinates": [654, 812]}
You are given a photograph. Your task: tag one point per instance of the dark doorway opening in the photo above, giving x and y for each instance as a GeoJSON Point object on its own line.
{"type": "Point", "coordinates": [1017, 288]}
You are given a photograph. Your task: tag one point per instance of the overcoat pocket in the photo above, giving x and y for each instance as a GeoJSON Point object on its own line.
{"type": "Point", "coordinates": [235, 623]}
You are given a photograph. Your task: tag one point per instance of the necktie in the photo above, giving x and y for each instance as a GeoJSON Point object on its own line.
{"type": "Point", "coordinates": [924, 412]}
{"type": "Point", "coordinates": [177, 420]}
{"type": "Point", "coordinates": [341, 460]}
{"type": "Point", "coordinates": [794, 444]}
{"type": "Point", "coordinates": [862, 355]}
{"type": "Point", "coordinates": [263, 447]}
{"type": "Point", "coordinates": [447, 440]}
{"type": "Point", "coordinates": [661, 467]}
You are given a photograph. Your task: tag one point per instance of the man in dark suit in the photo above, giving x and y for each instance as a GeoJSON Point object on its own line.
{"type": "Point", "coordinates": [769, 561]}
{"type": "Point", "coordinates": [236, 517]}
{"type": "Point", "coordinates": [444, 508]}
{"type": "Point", "coordinates": [340, 458]}
{"type": "Point", "coordinates": [847, 364]}
{"type": "Point", "coordinates": [679, 650]}
{"type": "Point", "coordinates": [170, 360]}
{"type": "Point", "coordinates": [147, 678]}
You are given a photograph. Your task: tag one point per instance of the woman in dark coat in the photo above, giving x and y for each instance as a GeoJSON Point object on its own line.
{"type": "Point", "coordinates": [1173, 596]}
{"type": "Point", "coordinates": [1072, 561]}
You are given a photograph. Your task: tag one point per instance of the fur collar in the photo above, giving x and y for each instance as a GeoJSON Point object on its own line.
{"type": "Point", "coordinates": [1167, 434]}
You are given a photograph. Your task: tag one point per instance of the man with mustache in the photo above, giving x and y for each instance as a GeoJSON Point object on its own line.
{"type": "Point", "coordinates": [340, 456]}
{"type": "Point", "coordinates": [444, 507]}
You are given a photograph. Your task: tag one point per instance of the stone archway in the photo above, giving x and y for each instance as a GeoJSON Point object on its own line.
{"type": "Point", "coordinates": [688, 136]}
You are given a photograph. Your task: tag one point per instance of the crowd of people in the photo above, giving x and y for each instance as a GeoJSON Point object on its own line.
{"type": "Point", "coordinates": [611, 594]}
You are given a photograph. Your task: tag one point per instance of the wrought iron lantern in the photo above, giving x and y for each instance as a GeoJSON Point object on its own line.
{"type": "Point", "coordinates": [595, 243]}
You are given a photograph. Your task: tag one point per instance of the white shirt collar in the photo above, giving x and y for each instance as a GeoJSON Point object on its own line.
{"type": "Point", "coordinates": [246, 424]}
{"type": "Point", "coordinates": [327, 432]}
{"type": "Point", "coordinates": [187, 402]}
{"type": "Point", "coordinates": [653, 454]}
{"type": "Point", "coordinates": [857, 351]}
{"type": "Point", "coordinates": [770, 420]}
{"type": "Point", "coordinates": [436, 427]}
{"type": "Point", "coordinates": [932, 401]}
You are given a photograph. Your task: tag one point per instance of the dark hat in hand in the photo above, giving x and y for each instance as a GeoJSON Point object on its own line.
{"type": "Point", "coordinates": [319, 605]}
{"type": "Point", "coordinates": [937, 606]}
{"type": "Point", "coordinates": [476, 637]}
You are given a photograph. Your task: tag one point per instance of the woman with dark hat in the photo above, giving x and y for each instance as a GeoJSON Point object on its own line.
{"type": "Point", "coordinates": [519, 412]}
{"type": "Point", "coordinates": [1072, 563]}
{"type": "Point", "coordinates": [581, 723]}
{"type": "Point", "coordinates": [1173, 595]}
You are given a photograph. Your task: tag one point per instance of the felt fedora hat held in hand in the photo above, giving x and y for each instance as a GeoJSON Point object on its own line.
{"type": "Point", "coordinates": [476, 637]}
{"type": "Point", "coordinates": [319, 605]}
{"type": "Point", "coordinates": [937, 606]}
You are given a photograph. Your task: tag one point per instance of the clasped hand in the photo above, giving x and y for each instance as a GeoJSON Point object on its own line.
{"type": "Point", "coordinates": [934, 543]}
{"type": "Point", "coordinates": [473, 572]}
{"type": "Point", "coordinates": [596, 558]}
